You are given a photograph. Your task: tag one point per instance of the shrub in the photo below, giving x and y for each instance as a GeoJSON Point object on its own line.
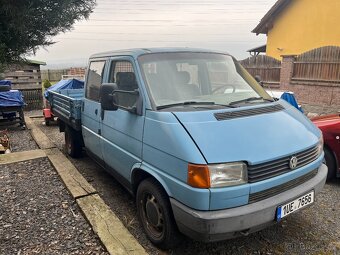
{"type": "Point", "coordinates": [46, 84]}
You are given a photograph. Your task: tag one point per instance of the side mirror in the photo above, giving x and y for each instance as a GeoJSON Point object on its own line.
{"type": "Point", "coordinates": [107, 100]}
{"type": "Point", "coordinates": [111, 98]}
{"type": "Point", "coordinates": [124, 98]}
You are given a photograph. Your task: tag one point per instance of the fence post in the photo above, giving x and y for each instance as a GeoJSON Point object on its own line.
{"type": "Point", "coordinates": [287, 68]}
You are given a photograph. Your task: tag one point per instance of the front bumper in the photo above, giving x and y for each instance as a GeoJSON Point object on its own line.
{"type": "Point", "coordinates": [209, 226]}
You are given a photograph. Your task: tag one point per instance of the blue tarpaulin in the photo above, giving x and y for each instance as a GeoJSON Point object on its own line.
{"type": "Point", "coordinates": [290, 98]}
{"type": "Point", "coordinates": [65, 84]}
{"type": "Point", "coordinates": [5, 82]}
{"type": "Point", "coordinates": [11, 98]}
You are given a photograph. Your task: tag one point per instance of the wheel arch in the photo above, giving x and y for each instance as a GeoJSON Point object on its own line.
{"type": "Point", "coordinates": [336, 161]}
{"type": "Point", "coordinates": [140, 173]}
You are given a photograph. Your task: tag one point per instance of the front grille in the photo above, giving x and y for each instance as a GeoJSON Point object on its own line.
{"type": "Point", "coordinates": [258, 196]}
{"type": "Point", "coordinates": [280, 166]}
{"type": "Point", "coordinates": [249, 112]}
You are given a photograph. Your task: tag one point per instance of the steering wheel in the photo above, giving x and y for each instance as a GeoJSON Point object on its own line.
{"type": "Point", "coordinates": [224, 86]}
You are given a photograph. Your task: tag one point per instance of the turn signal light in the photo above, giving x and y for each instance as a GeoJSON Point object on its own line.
{"type": "Point", "coordinates": [198, 176]}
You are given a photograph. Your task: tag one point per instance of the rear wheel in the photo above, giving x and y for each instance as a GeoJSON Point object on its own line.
{"type": "Point", "coordinates": [155, 214]}
{"type": "Point", "coordinates": [73, 143]}
{"type": "Point", "coordinates": [331, 164]}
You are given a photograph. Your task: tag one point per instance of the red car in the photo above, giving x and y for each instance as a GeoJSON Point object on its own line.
{"type": "Point", "coordinates": [330, 127]}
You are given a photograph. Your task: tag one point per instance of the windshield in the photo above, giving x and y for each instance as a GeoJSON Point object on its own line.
{"type": "Point", "coordinates": [192, 78]}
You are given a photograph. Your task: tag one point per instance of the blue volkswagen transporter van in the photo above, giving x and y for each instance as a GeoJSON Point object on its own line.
{"type": "Point", "coordinates": [202, 146]}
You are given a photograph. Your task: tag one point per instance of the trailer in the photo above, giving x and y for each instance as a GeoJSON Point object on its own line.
{"type": "Point", "coordinates": [11, 105]}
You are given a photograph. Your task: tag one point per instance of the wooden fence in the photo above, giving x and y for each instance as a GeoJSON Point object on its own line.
{"type": "Point", "coordinates": [57, 75]}
{"type": "Point", "coordinates": [53, 75]}
{"type": "Point", "coordinates": [320, 65]}
{"type": "Point", "coordinates": [24, 76]}
{"type": "Point", "coordinates": [267, 68]}
{"type": "Point", "coordinates": [33, 98]}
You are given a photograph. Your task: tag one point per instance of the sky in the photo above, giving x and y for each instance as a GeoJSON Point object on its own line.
{"type": "Point", "coordinates": [223, 25]}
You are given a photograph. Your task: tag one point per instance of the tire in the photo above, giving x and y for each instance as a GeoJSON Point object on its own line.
{"type": "Point", "coordinates": [73, 143]}
{"type": "Point", "coordinates": [331, 164]}
{"type": "Point", "coordinates": [155, 214]}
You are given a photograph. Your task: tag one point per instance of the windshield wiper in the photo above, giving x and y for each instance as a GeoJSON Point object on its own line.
{"type": "Point", "coordinates": [191, 103]}
{"type": "Point", "coordinates": [249, 99]}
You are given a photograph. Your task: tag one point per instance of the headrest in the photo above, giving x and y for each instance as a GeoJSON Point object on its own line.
{"type": "Point", "coordinates": [126, 78]}
{"type": "Point", "coordinates": [183, 77]}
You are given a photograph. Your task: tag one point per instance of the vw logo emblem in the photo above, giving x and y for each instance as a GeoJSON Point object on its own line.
{"type": "Point", "coordinates": [293, 162]}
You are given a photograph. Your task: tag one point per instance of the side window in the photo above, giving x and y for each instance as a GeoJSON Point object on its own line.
{"type": "Point", "coordinates": [94, 80]}
{"type": "Point", "coordinates": [123, 75]}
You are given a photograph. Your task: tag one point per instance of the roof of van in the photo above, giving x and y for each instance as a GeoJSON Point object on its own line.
{"type": "Point", "coordinates": [141, 51]}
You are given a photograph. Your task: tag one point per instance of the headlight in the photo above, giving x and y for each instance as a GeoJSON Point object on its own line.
{"type": "Point", "coordinates": [229, 174]}
{"type": "Point", "coordinates": [217, 175]}
{"type": "Point", "coordinates": [320, 146]}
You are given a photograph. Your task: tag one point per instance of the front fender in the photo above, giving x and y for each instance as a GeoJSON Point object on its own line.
{"type": "Point", "coordinates": [192, 197]}
{"type": "Point", "coordinates": [151, 171]}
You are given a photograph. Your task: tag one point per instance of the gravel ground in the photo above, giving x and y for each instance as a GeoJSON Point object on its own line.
{"type": "Point", "coordinates": [21, 140]}
{"type": "Point", "coordinates": [37, 214]}
{"type": "Point", "coordinates": [315, 230]}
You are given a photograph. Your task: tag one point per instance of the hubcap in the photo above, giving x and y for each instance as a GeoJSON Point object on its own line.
{"type": "Point", "coordinates": [153, 215]}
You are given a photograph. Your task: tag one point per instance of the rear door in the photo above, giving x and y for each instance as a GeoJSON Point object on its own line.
{"type": "Point", "coordinates": [91, 108]}
{"type": "Point", "coordinates": [122, 131]}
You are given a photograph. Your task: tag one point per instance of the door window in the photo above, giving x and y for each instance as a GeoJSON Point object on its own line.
{"type": "Point", "coordinates": [123, 75]}
{"type": "Point", "coordinates": [94, 80]}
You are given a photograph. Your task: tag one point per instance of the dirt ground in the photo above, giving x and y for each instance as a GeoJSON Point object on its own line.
{"type": "Point", "coordinates": [315, 230]}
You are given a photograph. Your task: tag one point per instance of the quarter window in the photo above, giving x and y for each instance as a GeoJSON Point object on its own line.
{"type": "Point", "coordinates": [94, 80]}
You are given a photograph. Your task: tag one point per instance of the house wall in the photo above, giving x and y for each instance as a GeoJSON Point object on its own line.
{"type": "Point", "coordinates": [304, 25]}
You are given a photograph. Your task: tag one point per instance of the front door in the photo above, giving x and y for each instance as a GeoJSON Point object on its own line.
{"type": "Point", "coordinates": [91, 109]}
{"type": "Point", "coordinates": [122, 131]}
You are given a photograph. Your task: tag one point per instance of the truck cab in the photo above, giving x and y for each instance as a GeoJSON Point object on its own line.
{"type": "Point", "coordinates": [200, 144]}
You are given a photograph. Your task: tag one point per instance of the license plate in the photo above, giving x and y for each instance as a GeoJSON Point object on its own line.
{"type": "Point", "coordinates": [294, 205]}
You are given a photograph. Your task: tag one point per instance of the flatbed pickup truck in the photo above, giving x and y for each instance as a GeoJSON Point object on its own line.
{"type": "Point", "coordinates": [200, 144]}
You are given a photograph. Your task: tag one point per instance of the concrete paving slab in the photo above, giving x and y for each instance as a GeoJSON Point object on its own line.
{"type": "Point", "coordinates": [111, 231]}
{"type": "Point", "coordinates": [36, 116]}
{"type": "Point", "coordinates": [73, 180]}
{"type": "Point", "coordinates": [21, 156]}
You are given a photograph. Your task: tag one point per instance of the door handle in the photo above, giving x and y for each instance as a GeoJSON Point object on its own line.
{"type": "Point", "coordinates": [96, 111]}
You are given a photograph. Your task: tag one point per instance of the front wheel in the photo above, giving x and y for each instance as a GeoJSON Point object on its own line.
{"type": "Point", "coordinates": [155, 214]}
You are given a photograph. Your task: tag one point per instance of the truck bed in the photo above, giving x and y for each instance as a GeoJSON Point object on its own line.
{"type": "Point", "coordinates": [67, 106]}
